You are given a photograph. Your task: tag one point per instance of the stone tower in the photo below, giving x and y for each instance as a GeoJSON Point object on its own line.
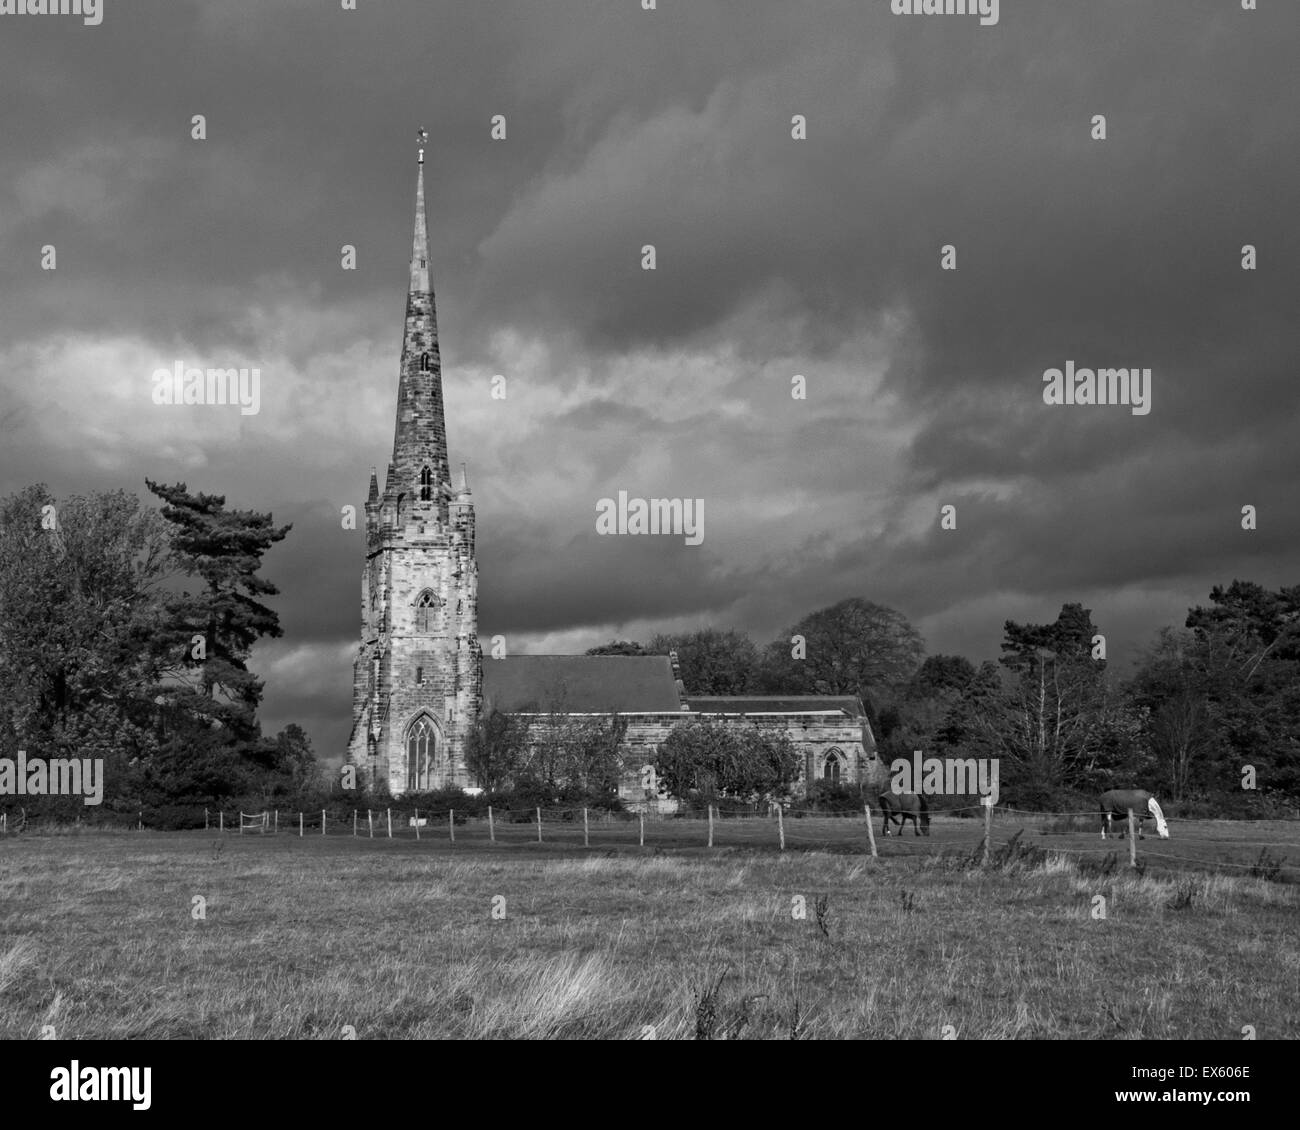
{"type": "Point", "coordinates": [417, 685]}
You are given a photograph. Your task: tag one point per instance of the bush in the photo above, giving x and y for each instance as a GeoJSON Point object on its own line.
{"type": "Point", "coordinates": [436, 803]}
{"type": "Point", "coordinates": [830, 799]}
{"type": "Point", "coordinates": [698, 806]}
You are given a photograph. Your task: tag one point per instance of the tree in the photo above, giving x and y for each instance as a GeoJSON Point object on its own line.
{"type": "Point", "coordinates": [292, 769]}
{"type": "Point", "coordinates": [618, 647]}
{"type": "Point", "coordinates": [496, 749]}
{"type": "Point", "coordinates": [213, 631]}
{"type": "Point", "coordinates": [715, 758]}
{"type": "Point", "coordinates": [1169, 688]}
{"type": "Point", "coordinates": [853, 647]}
{"type": "Point", "coordinates": [95, 658]}
{"type": "Point", "coordinates": [1045, 723]}
{"type": "Point", "coordinates": [919, 717]}
{"type": "Point", "coordinates": [568, 752]}
{"type": "Point", "coordinates": [594, 761]}
{"type": "Point", "coordinates": [940, 675]}
{"type": "Point", "coordinates": [712, 661]}
{"type": "Point", "coordinates": [81, 610]}
{"type": "Point", "coordinates": [1248, 652]}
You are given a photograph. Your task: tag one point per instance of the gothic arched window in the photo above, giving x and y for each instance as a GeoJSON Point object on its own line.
{"type": "Point", "coordinates": [831, 770]}
{"type": "Point", "coordinates": [420, 746]}
{"type": "Point", "coordinates": [426, 485]}
{"type": "Point", "coordinates": [425, 607]}
{"type": "Point", "coordinates": [424, 357]}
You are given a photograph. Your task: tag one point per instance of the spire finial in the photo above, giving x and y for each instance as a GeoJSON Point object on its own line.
{"type": "Point", "coordinates": [422, 137]}
{"type": "Point", "coordinates": [464, 480]}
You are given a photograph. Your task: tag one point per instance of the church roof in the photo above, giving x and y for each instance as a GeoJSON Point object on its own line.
{"type": "Point", "coordinates": [775, 704]}
{"type": "Point", "coordinates": [581, 684]}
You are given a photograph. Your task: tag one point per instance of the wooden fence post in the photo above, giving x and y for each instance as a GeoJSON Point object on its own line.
{"type": "Point", "coordinates": [322, 821]}
{"type": "Point", "coordinates": [205, 819]}
{"type": "Point", "coordinates": [710, 824]}
{"type": "Point", "coordinates": [451, 823]}
{"type": "Point", "coordinates": [370, 821]}
{"type": "Point", "coordinates": [354, 822]}
{"type": "Point", "coordinates": [417, 825]}
{"type": "Point", "coordinates": [642, 815]}
{"type": "Point", "coordinates": [1132, 841]}
{"type": "Point", "coordinates": [389, 811]}
{"type": "Point", "coordinates": [241, 821]}
{"type": "Point", "coordinates": [586, 842]}
{"type": "Point", "coordinates": [277, 821]}
{"type": "Point", "coordinates": [871, 832]}
{"type": "Point", "coordinates": [300, 825]}
{"type": "Point", "coordinates": [780, 823]}
{"type": "Point", "coordinates": [492, 831]}
{"type": "Point", "coordinates": [539, 824]}
{"type": "Point", "coordinates": [221, 821]}
{"type": "Point", "coordinates": [988, 826]}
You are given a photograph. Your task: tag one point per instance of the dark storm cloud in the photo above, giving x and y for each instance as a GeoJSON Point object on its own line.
{"type": "Point", "coordinates": [775, 258]}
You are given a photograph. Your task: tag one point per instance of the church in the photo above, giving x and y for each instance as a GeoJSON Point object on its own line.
{"type": "Point", "coordinates": [420, 680]}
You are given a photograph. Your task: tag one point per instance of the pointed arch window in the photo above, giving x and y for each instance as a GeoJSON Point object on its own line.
{"type": "Point", "coordinates": [426, 609]}
{"type": "Point", "coordinates": [833, 768]}
{"type": "Point", "coordinates": [421, 745]}
{"type": "Point", "coordinates": [426, 485]}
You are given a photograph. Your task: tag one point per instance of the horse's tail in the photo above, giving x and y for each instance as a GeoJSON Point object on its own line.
{"type": "Point", "coordinates": [1162, 828]}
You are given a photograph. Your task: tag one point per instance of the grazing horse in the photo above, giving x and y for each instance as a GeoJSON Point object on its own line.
{"type": "Point", "coordinates": [1118, 802]}
{"type": "Point", "coordinates": [905, 806]}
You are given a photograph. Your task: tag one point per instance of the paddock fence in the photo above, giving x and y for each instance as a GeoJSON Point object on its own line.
{"type": "Point", "coordinates": [966, 836]}
{"type": "Point", "coordinates": [976, 834]}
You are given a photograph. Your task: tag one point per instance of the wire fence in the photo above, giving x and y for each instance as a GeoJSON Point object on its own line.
{"type": "Point", "coordinates": [1204, 845]}
{"type": "Point", "coordinates": [974, 833]}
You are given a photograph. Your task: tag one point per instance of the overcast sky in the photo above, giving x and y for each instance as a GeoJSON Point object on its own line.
{"type": "Point", "coordinates": [775, 257]}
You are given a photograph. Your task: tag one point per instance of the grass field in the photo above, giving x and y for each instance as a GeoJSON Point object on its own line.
{"type": "Point", "coordinates": [323, 936]}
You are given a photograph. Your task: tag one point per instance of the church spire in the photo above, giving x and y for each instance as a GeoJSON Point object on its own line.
{"type": "Point", "coordinates": [420, 438]}
{"type": "Point", "coordinates": [420, 245]}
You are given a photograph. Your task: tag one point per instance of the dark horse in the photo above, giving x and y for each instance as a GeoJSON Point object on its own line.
{"type": "Point", "coordinates": [1116, 805]}
{"type": "Point", "coordinates": [905, 806]}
